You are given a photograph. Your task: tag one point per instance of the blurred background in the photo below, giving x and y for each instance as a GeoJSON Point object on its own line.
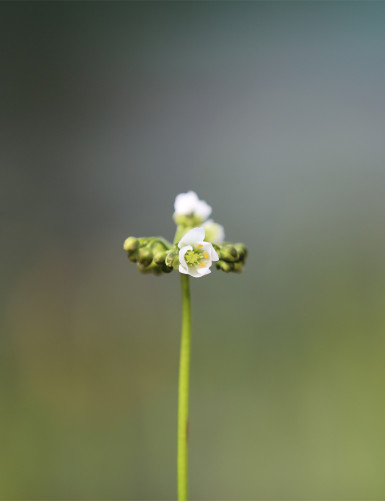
{"type": "Point", "coordinates": [274, 114]}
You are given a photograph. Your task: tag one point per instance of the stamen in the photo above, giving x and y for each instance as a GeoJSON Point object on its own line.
{"type": "Point", "coordinates": [201, 264]}
{"type": "Point", "coordinates": [200, 245]}
{"type": "Point", "coordinates": [206, 255]}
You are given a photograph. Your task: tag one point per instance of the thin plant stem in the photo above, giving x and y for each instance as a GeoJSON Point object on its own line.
{"type": "Point", "coordinates": [183, 392]}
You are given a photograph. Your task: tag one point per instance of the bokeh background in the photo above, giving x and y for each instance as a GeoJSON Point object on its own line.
{"type": "Point", "coordinates": [273, 112]}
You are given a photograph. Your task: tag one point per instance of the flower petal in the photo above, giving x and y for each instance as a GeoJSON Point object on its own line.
{"type": "Point", "coordinates": [185, 203]}
{"type": "Point", "coordinates": [203, 271]}
{"type": "Point", "coordinates": [192, 237]}
{"type": "Point", "coordinates": [203, 209]}
{"type": "Point", "coordinates": [183, 270]}
{"type": "Point", "coordinates": [214, 255]}
{"type": "Point", "coordinates": [209, 249]}
{"type": "Point", "coordinates": [194, 271]}
{"type": "Point", "coordinates": [182, 253]}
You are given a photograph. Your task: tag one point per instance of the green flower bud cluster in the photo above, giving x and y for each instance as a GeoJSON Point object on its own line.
{"type": "Point", "coordinates": [149, 253]}
{"type": "Point", "coordinates": [232, 257]}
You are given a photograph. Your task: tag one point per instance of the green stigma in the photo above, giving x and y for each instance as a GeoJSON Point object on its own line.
{"type": "Point", "coordinates": [193, 257]}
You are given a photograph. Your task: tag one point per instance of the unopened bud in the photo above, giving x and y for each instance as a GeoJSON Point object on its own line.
{"type": "Point", "coordinates": [145, 256]}
{"type": "Point", "coordinates": [131, 244]}
{"type": "Point", "coordinates": [157, 248]}
{"type": "Point", "coordinates": [224, 266]}
{"type": "Point", "coordinates": [166, 269]}
{"type": "Point", "coordinates": [144, 241]}
{"type": "Point", "coordinates": [238, 267]}
{"type": "Point", "coordinates": [242, 251]}
{"type": "Point", "coordinates": [160, 257]}
{"type": "Point", "coordinates": [142, 268]}
{"type": "Point", "coordinates": [229, 253]}
{"type": "Point", "coordinates": [170, 257]}
{"type": "Point", "coordinates": [133, 256]}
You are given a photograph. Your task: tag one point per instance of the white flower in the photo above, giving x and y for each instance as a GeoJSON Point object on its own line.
{"type": "Point", "coordinates": [196, 255]}
{"type": "Point", "coordinates": [215, 232]}
{"type": "Point", "coordinates": [188, 204]}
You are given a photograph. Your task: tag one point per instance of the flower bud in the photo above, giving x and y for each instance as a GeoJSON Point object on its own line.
{"type": "Point", "coordinates": [238, 267]}
{"type": "Point", "coordinates": [160, 257]}
{"type": "Point", "coordinates": [131, 244]}
{"type": "Point", "coordinates": [214, 232]}
{"type": "Point", "coordinates": [133, 256]}
{"type": "Point", "coordinates": [144, 242]}
{"type": "Point", "coordinates": [242, 251]}
{"type": "Point", "coordinates": [224, 266]}
{"type": "Point", "coordinates": [166, 269]}
{"type": "Point", "coordinates": [156, 248]}
{"type": "Point", "coordinates": [145, 256]}
{"type": "Point", "coordinates": [142, 268]}
{"type": "Point", "coordinates": [170, 258]}
{"type": "Point", "coordinates": [229, 253]}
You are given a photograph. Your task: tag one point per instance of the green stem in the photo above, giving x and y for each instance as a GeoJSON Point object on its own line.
{"type": "Point", "coordinates": [184, 370]}
{"type": "Point", "coordinates": [180, 231]}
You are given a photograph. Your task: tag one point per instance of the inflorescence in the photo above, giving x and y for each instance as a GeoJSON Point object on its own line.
{"type": "Point", "coordinates": [198, 243]}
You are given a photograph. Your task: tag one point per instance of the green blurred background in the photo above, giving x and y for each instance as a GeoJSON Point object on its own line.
{"type": "Point", "coordinates": [274, 114]}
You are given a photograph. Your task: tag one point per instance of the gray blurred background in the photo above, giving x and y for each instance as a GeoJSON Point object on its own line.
{"type": "Point", "coordinates": [273, 112]}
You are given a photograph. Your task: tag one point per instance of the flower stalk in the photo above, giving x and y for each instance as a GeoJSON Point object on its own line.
{"type": "Point", "coordinates": [183, 391]}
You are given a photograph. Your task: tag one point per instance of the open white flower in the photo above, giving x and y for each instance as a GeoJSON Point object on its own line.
{"type": "Point", "coordinates": [215, 232]}
{"type": "Point", "coordinates": [188, 204]}
{"type": "Point", "coordinates": [196, 255]}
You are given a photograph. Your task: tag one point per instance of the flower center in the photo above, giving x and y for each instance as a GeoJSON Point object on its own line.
{"type": "Point", "coordinates": [193, 257]}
